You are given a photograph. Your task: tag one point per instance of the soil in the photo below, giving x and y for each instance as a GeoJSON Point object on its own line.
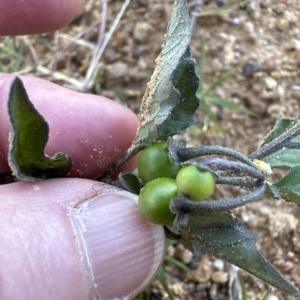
{"type": "Point", "coordinates": [263, 35]}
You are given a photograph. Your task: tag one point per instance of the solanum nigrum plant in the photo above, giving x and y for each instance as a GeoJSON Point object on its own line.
{"type": "Point", "coordinates": [167, 109]}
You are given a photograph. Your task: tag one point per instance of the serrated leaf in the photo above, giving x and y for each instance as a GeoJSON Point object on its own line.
{"type": "Point", "coordinates": [224, 236]}
{"type": "Point", "coordinates": [272, 191]}
{"type": "Point", "coordinates": [289, 186]}
{"type": "Point", "coordinates": [170, 99]}
{"type": "Point", "coordinates": [28, 139]}
{"type": "Point", "coordinates": [281, 126]}
{"type": "Point", "coordinates": [286, 157]}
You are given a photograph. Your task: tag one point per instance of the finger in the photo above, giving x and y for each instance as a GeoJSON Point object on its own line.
{"type": "Point", "coordinates": [74, 239]}
{"type": "Point", "coordinates": [93, 130]}
{"type": "Point", "coordinates": [36, 16]}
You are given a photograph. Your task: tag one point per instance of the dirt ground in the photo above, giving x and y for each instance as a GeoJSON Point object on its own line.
{"type": "Point", "coordinates": [265, 36]}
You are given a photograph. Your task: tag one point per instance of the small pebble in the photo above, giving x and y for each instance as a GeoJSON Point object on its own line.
{"type": "Point", "coordinates": [204, 270]}
{"type": "Point", "coordinates": [250, 68]}
{"type": "Point", "coordinates": [219, 264]}
{"type": "Point", "coordinates": [219, 277]}
{"type": "Point", "coordinates": [193, 265]}
{"type": "Point", "coordinates": [270, 83]}
{"type": "Point", "coordinates": [170, 250]}
{"type": "Point", "coordinates": [213, 291]}
{"type": "Point", "coordinates": [187, 256]}
{"type": "Point", "coordinates": [155, 296]}
{"type": "Point", "coordinates": [143, 2]}
{"type": "Point", "coordinates": [235, 21]}
{"type": "Point", "coordinates": [221, 2]}
{"type": "Point", "coordinates": [142, 31]}
{"type": "Point", "coordinates": [288, 266]}
{"type": "Point", "coordinates": [183, 254]}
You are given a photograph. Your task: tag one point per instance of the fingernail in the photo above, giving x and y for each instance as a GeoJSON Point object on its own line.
{"type": "Point", "coordinates": [121, 249]}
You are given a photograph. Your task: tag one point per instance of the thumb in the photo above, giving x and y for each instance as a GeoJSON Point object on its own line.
{"type": "Point", "coordinates": [75, 239]}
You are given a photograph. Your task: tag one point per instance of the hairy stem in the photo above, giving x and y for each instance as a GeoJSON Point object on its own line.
{"type": "Point", "coordinates": [135, 149]}
{"type": "Point", "coordinates": [244, 182]}
{"type": "Point", "coordinates": [182, 204]}
{"type": "Point", "coordinates": [277, 144]}
{"type": "Point", "coordinates": [185, 154]}
{"type": "Point", "coordinates": [217, 164]}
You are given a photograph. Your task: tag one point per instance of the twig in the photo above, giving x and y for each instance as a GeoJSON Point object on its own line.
{"type": "Point", "coordinates": [277, 144]}
{"type": "Point", "coordinates": [185, 154]}
{"type": "Point", "coordinates": [182, 204]}
{"type": "Point", "coordinates": [75, 84]}
{"type": "Point", "coordinates": [98, 52]}
{"type": "Point", "coordinates": [77, 41]}
{"type": "Point", "coordinates": [217, 164]}
{"type": "Point", "coordinates": [33, 53]}
{"type": "Point", "coordinates": [196, 13]}
{"type": "Point", "coordinates": [53, 65]}
{"type": "Point", "coordinates": [103, 24]}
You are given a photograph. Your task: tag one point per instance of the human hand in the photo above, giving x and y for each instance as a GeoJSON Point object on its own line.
{"type": "Point", "coordinates": [71, 238]}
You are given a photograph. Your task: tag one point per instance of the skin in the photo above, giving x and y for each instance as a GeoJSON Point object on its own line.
{"type": "Point", "coordinates": [61, 238]}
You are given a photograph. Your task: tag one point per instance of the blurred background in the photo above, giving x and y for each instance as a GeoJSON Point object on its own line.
{"type": "Point", "coordinates": [248, 56]}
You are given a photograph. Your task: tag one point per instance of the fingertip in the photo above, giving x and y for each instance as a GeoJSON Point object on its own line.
{"type": "Point", "coordinates": [75, 239]}
{"type": "Point", "coordinates": [35, 16]}
{"type": "Point", "coordinates": [94, 131]}
{"type": "Point", "coordinates": [123, 249]}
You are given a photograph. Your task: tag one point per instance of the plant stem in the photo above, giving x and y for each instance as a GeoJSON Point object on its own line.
{"type": "Point", "coordinates": [185, 154]}
{"type": "Point", "coordinates": [183, 204]}
{"type": "Point", "coordinates": [131, 152]}
{"type": "Point", "coordinates": [217, 164]}
{"type": "Point", "coordinates": [196, 13]}
{"type": "Point", "coordinates": [277, 144]}
{"type": "Point", "coordinates": [244, 182]}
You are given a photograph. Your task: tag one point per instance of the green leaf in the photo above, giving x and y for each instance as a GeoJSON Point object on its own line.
{"type": "Point", "coordinates": [272, 191]}
{"type": "Point", "coordinates": [130, 182]}
{"type": "Point", "coordinates": [218, 81]}
{"type": "Point", "coordinates": [222, 9]}
{"type": "Point", "coordinates": [140, 296]}
{"type": "Point", "coordinates": [243, 288]}
{"type": "Point", "coordinates": [208, 112]}
{"type": "Point", "coordinates": [182, 266]}
{"type": "Point", "coordinates": [288, 158]}
{"type": "Point", "coordinates": [229, 105]}
{"type": "Point", "coordinates": [281, 126]}
{"type": "Point", "coordinates": [285, 154]}
{"type": "Point", "coordinates": [224, 236]}
{"type": "Point", "coordinates": [289, 186]}
{"type": "Point", "coordinates": [28, 139]}
{"type": "Point", "coordinates": [266, 296]}
{"type": "Point", "coordinates": [161, 277]}
{"type": "Point", "coordinates": [170, 101]}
